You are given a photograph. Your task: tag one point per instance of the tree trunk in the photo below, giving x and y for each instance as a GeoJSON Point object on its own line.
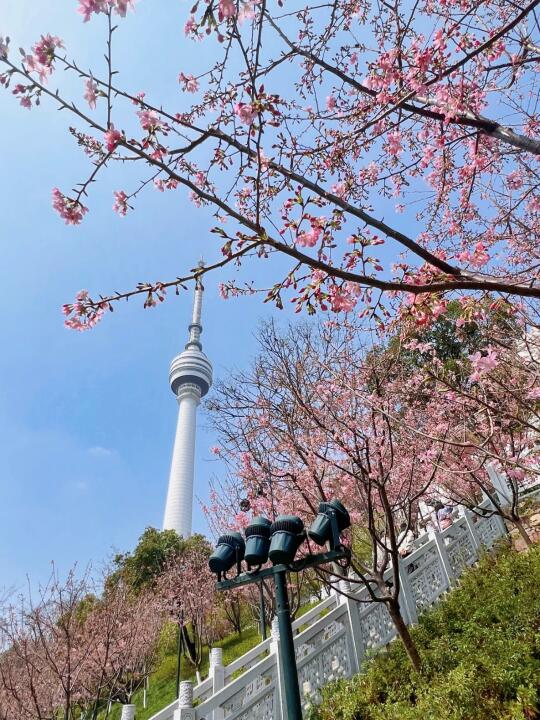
{"type": "Point", "coordinates": [95, 711]}
{"type": "Point", "coordinates": [189, 645]}
{"type": "Point", "coordinates": [404, 634]}
{"type": "Point", "coordinates": [524, 534]}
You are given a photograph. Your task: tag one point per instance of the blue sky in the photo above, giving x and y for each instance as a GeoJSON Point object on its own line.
{"type": "Point", "coordinates": [87, 420]}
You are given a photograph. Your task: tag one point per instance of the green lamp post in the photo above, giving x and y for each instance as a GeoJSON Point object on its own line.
{"type": "Point", "coordinates": [279, 542]}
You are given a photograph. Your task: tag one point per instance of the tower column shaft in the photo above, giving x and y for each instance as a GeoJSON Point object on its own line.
{"type": "Point", "coordinates": [179, 506]}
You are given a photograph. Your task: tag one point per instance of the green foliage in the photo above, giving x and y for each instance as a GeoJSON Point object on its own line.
{"type": "Point", "coordinates": [451, 346]}
{"type": "Point", "coordinates": [140, 568]}
{"type": "Point", "coordinates": [480, 651]}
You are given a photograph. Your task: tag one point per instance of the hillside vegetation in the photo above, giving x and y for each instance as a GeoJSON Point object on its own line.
{"type": "Point", "coordinates": [480, 651]}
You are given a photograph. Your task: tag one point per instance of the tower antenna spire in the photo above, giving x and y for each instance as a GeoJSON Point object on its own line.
{"type": "Point", "coordinates": [195, 328]}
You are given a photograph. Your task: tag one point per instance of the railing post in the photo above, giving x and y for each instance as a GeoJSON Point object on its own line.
{"type": "Point", "coordinates": [445, 562]}
{"type": "Point", "coordinates": [406, 593]}
{"type": "Point", "coordinates": [354, 623]}
{"type": "Point", "coordinates": [473, 531]}
{"type": "Point", "coordinates": [217, 673]}
{"type": "Point", "coordinates": [185, 711]}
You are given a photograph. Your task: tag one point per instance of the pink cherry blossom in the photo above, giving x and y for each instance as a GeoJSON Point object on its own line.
{"type": "Point", "coordinates": [480, 256]}
{"type": "Point", "coordinates": [87, 7]}
{"type": "Point", "coordinates": [72, 211]}
{"type": "Point", "coordinates": [120, 202]}
{"type": "Point", "coordinates": [394, 144]}
{"type": "Point", "coordinates": [190, 82]}
{"type": "Point", "coordinates": [330, 102]}
{"type": "Point", "coordinates": [223, 291]}
{"type": "Point", "coordinates": [45, 49]}
{"type": "Point", "coordinates": [247, 11]}
{"type": "Point", "coordinates": [339, 189]}
{"type": "Point", "coordinates": [227, 9]}
{"type": "Point", "coordinates": [309, 238]}
{"type": "Point", "coordinates": [138, 98]}
{"type": "Point", "coordinates": [122, 6]}
{"type": "Point", "coordinates": [112, 138]}
{"type": "Point", "coordinates": [344, 298]}
{"type": "Point", "coordinates": [483, 364]}
{"type": "Point", "coordinates": [151, 122]}
{"type": "Point", "coordinates": [514, 180]}
{"type": "Point", "coordinates": [246, 112]}
{"type": "Point", "coordinates": [90, 94]}
{"type": "Point", "coordinates": [191, 26]}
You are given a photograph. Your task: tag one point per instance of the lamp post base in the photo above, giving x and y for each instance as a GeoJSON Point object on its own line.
{"type": "Point", "coordinates": [287, 653]}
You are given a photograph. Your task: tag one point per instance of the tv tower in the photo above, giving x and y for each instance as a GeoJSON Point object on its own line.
{"type": "Point", "coordinates": [190, 378]}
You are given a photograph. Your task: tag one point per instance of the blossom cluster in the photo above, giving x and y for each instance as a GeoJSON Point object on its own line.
{"type": "Point", "coordinates": [40, 62]}
{"type": "Point", "coordinates": [87, 8]}
{"type": "Point", "coordinates": [483, 364]}
{"type": "Point", "coordinates": [120, 202]}
{"type": "Point", "coordinates": [189, 82]}
{"type": "Point", "coordinates": [83, 314]}
{"type": "Point", "coordinates": [70, 210]}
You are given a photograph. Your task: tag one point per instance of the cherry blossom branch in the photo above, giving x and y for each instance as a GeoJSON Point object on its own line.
{"type": "Point", "coordinates": [485, 125]}
{"type": "Point", "coordinates": [379, 225]}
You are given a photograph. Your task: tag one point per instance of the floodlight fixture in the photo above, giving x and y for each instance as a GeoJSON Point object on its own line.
{"type": "Point", "coordinates": [287, 534]}
{"type": "Point", "coordinates": [332, 519]}
{"type": "Point", "coordinates": [257, 542]}
{"type": "Point", "coordinates": [229, 551]}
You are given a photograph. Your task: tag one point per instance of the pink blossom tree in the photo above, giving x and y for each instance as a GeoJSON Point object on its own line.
{"type": "Point", "coordinates": [318, 417]}
{"type": "Point", "coordinates": [42, 670]}
{"type": "Point", "coordinates": [479, 371]}
{"type": "Point", "coordinates": [70, 650]}
{"type": "Point", "coordinates": [494, 425]}
{"type": "Point", "coordinates": [138, 622]}
{"type": "Point", "coordinates": [122, 631]}
{"type": "Point", "coordinates": [385, 151]}
{"type": "Point", "coordinates": [187, 594]}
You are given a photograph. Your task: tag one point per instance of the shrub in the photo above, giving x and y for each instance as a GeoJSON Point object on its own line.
{"type": "Point", "coordinates": [480, 651]}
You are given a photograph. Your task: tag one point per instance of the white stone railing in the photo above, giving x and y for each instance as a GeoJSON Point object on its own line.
{"type": "Point", "coordinates": [334, 644]}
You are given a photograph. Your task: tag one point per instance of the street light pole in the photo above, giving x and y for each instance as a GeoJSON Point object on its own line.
{"type": "Point", "coordinates": [179, 652]}
{"type": "Point", "coordinates": [262, 612]}
{"type": "Point", "coordinates": [287, 655]}
{"type": "Point", "coordinates": [279, 542]}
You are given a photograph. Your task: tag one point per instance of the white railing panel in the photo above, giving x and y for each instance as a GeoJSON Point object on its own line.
{"type": "Point", "coordinates": [314, 614]}
{"type": "Point", "coordinates": [252, 696]}
{"type": "Point", "coordinates": [203, 690]}
{"type": "Point", "coordinates": [376, 626]}
{"type": "Point", "coordinates": [324, 652]}
{"type": "Point", "coordinates": [167, 713]}
{"type": "Point", "coordinates": [426, 576]}
{"type": "Point", "coordinates": [248, 659]}
{"type": "Point", "coordinates": [460, 546]}
{"type": "Point", "coordinates": [489, 530]}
